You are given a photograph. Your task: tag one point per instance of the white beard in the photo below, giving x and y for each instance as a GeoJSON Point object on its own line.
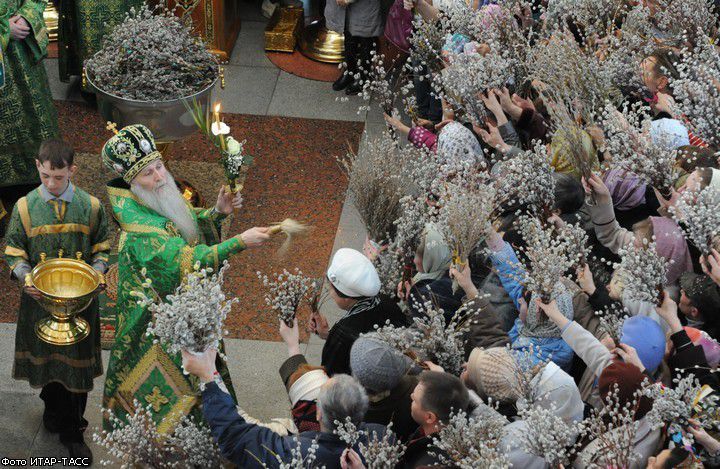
{"type": "Point", "coordinates": [168, 202]}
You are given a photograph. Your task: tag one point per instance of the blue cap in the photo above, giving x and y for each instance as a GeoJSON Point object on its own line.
{"type": "Point", "coordinates": [647, 337]}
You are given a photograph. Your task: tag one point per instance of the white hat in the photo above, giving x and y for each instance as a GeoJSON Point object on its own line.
{"type": "Point", "coordinates": [353, 274]}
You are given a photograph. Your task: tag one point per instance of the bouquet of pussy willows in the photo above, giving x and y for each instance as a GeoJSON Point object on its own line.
{"type": "Point", "coordinates": [136, 441]}
{"type": "Point", "coordinates": [193, 317]}
{"type": "Point", "coordinates": [234, 160]}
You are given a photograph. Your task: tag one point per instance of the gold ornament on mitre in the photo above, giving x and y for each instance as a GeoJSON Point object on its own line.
{"type": "Point", "coordinates": [67, 287]}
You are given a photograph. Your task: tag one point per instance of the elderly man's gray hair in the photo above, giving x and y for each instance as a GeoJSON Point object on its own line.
{"type": "Point", "coordinates": [343, 396]}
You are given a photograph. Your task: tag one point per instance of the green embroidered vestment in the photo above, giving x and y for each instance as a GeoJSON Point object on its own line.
{"type": "Point", "coordinates": [35, 228]}
{"type": "Point", "coordinates": [27, 113]}
{"type": "Point", "coordinates": [139, 369]}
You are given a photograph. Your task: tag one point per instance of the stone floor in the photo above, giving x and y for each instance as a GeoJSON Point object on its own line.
{"type": "Point", "coordinates": [254, 86]}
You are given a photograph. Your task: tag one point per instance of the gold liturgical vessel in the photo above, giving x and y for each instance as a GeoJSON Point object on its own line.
{"type": "Point", "coordinates": [67, 286]}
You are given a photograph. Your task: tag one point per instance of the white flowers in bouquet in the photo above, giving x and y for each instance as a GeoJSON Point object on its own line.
{"type": "Point", "coordinates": [695, 92]}
{"type": "Point", "coordinates": [698, 214]}
{"type": "Point", "coordinates": [469, 75]}
{"type": "Point", "coordinates": [469, 443]}
{"type": "Point", "coordinates": [628, 138]}
{"type": "Point", "coordinates": [286, 292]}
{"type": "Point", "coordinates": [137, 442]}
{"type": "Point", "coordinates": [551, 252]}
{"type": "Point", "coordinates": [441, 341]}
{"type": "Point", "coordinates": [612, 321]}
{"type": "Point", "coordinates": [389, 264]}
{"type": "Point", "coordinates": [382, 452]}
{"type": "Point", "coordinates": [645, 272]}
{"type": "Point", "coordinates": [347, 431]}
{"type": "Point", "coordinates": [526, 179]}
{"type": "Point", "coordinates": [685, 399]}
{"type": "Point", "coordinates": [193, 317]}
{"type": "Point", "coordinates": [546, 435]}
{"type": "Point", "coordinates": [376, 83]}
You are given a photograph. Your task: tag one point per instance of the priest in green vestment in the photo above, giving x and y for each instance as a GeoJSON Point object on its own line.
{"type": "Point", "coordinates": [27, 113]}
{"type": "Point", "coordinates": [57, 216]}
{"type": "Point", "coordinates": [163, 235]}
{"type": "Point", "coordinates": [83, 25]}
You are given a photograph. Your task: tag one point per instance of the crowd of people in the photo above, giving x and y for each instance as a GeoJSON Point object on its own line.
{"type": "Point", "coordinates": [540, 286]}
{"type": "Point", "coordinates": [577, 290]}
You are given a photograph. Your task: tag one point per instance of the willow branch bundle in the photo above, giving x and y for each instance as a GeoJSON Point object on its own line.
{"type": "Point", "coordinates": [135, 441]}
{"type": "Point", "coordinates": [633, 148]}
{"type": "Point", "coordinates": [612, 431]}
{"type": "Point", "coordinates": [697, 90]}
{"type": "Point", "coordinates": [551, 252]}
{"type": "Point", "coordinates": [467, 77]}
{"type": "Point", "coordinates": [675, 405]}
{"type": "Point", "coordinates": [526, 179]}
{"type": "Point", "coordinates": [699, 213]}
{"type": "Point", "coordinates": [377, 83]}
{"type": "Point", "coordinates": [376, 185]}
{"type": "Point", "coordinates": [547, 435]}
{"type": "Point", "coordinates": [286, 291]}
{"type": "Point", "coordinates": [469, 443]}
{"type": "Point", "coordinates": [439, 340]}
{"type": "Point", "coordinates": [464, 217]}
{"type": "Point", "coordinates": [571, 138]}
{"type": "Point", "coordinates": [645, 272]}
{"type": "Point", "coordinates": [567, 73]}
{"type": "Point", "coordinates": [292, 229]}
{"type": "Point", "coordinates": [612, 320]}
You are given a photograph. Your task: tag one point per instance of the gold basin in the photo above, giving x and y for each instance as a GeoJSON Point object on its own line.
{"type": "Point", "coordinates": [67, 286]}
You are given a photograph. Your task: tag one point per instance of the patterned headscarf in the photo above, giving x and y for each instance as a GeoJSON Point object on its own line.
{"type": "Point", "coordinates": [458, 146]}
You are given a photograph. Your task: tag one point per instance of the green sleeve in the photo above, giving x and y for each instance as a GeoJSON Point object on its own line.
{"type": "Point", "coordinates": [4, 35]}
{"type": "Point", "coordinates": [210, 256]}
{"type": "Point", "coordinates": [16, 249]}
{"type": "Point", "coordinates": [99, 237]}
{"type": "Point", "coordinates": [168, 259]}
{"type": "Point", "coordinates": [32, 11]}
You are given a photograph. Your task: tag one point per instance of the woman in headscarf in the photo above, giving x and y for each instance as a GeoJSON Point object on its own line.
{"type": "Point", "coordinates": [667, 234]}
{"type": "Point", "coordinates": [432, 281]}
{"type": "Point", "coordinates": [631, 198]}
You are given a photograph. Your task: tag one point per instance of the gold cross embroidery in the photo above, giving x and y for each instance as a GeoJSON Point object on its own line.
{"type": "Point", "coordinates": [112, 126]}
{"type": "Point", "coordinates": [156, 399]}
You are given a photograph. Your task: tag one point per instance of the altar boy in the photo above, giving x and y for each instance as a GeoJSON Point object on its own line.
{"type": "Point", "coordinates": [57, 216]}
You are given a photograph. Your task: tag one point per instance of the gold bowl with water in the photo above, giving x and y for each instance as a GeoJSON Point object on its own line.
{"type": "Point", "coordinates": [67, 286]}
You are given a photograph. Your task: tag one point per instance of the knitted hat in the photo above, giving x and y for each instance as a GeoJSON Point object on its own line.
{"type": "Point", "coordinates": [647, 337]}
{"type": "Point", "coordinates": [130, 151]}
{"type": "Point", "coordinates": [353, 274]}
{"type": "Point", "coordinates": [702, 292]}
{"type": "Point", "coordinates": [376, 365]}
{"type": "Point", "coordinates": [491, 373]}
{"type": "Point", "coordinates": [628, 379]}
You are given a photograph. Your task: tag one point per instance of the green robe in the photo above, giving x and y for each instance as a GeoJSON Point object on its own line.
{"type": "Point", "coordinates": [35, 228]}
{"type": "Point", "coordinates": [27, 113]}
{"type": "Point", "coordinates": [82, 27]}
{"type": "Point", "coordinates": [140, 370]}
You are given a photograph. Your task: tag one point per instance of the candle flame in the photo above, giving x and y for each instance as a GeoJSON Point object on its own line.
{"type": "Point", "coordinates": [217, 107]}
